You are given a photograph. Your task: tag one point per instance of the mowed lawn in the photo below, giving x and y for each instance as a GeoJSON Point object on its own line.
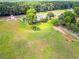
{"type": "Point", "coordinates": [18, 41]}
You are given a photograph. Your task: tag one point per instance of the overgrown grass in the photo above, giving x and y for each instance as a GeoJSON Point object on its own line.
{"type": "Point", "coordinates": [26, 44]}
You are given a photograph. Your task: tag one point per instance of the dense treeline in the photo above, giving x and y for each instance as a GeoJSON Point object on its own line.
{"type": "Point", "coordinates": [17, 8]}
{"type": "Point", "coordinates": [70, 20]}
{"type": "Point", "coordinates": [8, 8]}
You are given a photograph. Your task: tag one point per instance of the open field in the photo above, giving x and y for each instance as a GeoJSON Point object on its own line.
{"type": "Point", "coordinates": [18, 42]}
{"type": "Point", "coordinates": [39, 29]}
{"type": "Point", "coordinates": [56, 12]}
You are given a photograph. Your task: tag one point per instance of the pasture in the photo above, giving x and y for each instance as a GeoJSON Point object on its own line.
{"type": "Point", "coordinates": [18, 41]}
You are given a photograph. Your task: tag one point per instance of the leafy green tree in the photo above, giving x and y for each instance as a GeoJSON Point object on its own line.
{"type": "Point", "coordinates": [76, 9]}
{"type": "Point", "coordinates": [68, 19]}
{"type": "Point", "coordinates": [31, 15]}
{"type": "Point", "coordinates": [77, 23]}
{"type": "Point", "coordinates": [68, 16]}
{"type": "Point", "coordinates": [55, 22]}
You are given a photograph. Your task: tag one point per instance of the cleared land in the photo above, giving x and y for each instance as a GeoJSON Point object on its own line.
{"type": "Point", "coordinates": [18, 41]}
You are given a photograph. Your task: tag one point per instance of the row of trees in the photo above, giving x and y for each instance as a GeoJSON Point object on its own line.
{"type": "Point", "coordinates": [8, 8]}
{"type": "Point", "coordinates": [17, 8]}
{"type": "Point", "coordinates": [69, 20]}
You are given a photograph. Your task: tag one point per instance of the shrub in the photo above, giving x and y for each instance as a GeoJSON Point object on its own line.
{"type": "Point", "coordinates": [74, 27]}
{"type": "Point", "coordinates": [55, 22]}
{"type": "Point", "coordinates": [35, 28]}
{"type": "Point", "coordinates": [67, 25]}
{"type": "Point", "coordinates": [76, 10]}
{"type": "Point", "coordinates": [49, 15]}
{"type": "Point", "coordinates": [44, 20]}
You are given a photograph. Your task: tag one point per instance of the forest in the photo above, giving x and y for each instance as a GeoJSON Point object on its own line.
{"type": "Point", "coordinates": [17, 8]}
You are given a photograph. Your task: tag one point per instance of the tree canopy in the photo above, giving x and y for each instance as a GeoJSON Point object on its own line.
{"type": "Point", "coordinates": [17, 8]}
{"type": "Point", "coordinates": [31, 15]}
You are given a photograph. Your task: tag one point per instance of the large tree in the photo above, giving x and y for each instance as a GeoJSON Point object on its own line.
{"type": "Point", "coordinates": [68, 16]}
{"type": "Point", "coordinates": [31, 15]}
{"type": "Point", "coordinates": [76, 10]}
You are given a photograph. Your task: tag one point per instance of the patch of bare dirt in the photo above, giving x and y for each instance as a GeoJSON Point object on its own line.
{"type": "Point", "coordinates": [66, 34]}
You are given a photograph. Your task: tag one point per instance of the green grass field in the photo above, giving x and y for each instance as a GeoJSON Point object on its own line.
{"type": "Point", "coordinates": [18, 41]}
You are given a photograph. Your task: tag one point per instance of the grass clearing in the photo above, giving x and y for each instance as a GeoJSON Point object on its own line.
{"type": "Point", "coordinates": [54, 11]}
{"type": "Point", "coordinates": [18, 42]}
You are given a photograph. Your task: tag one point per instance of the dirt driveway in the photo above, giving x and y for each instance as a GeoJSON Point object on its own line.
{"type": "Point", "coordinates": [68, 36]}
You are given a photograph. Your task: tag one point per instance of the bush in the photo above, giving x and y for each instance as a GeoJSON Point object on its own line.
{"type": "Point", "coordinates": [23, 19]}
{"type": "Point", "coordinates": [49, 15]}
{"type": "Point", "coordinates": [74, 27]}
{"type": "Point", "coordinates": [67, 25]}
{"type": "Point", "coordinates": [55, 22]}
{"type": "Point", "coordinates": [76, 10]}
{"type": "Point", "coordinates": [35, 28]}
{"type": "Point", "coordinates": [44, 20]}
